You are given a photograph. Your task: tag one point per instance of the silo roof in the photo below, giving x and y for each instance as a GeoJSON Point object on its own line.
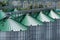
{"type": "Point", "coordinates": [44, 18]}
{"type": "Point", "coordinates": [2, 14]}
{"type": "Point", "coordinates": [28, 20]}
{"type": "Point", "coordinates": [54, 15]}
{"type": "Point", "coordinates": [15, 10]}
{"type": "Point", "coordinates": [10, 24]}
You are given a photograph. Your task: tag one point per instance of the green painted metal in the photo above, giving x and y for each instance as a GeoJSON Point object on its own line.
{"type": "Point", "coordinates": [28, 20]}
{"type": "Point", "coordinates": [2, 14]}
{"type": "Point", "coordinates": [34, 14]}
{"type": "Point", "coordinates": [15, 10]}
{"type": "Point", "coordinates": [46, 12]}
{"type": "Point", "coordinates": [57, 10]}
{"type": "Point", "coordinates": [4, 27]}
{"type": "Point", "coordinates": [18, 22]}
{"type": "Point", "coordinates": [10, 24]}
{"type": "Point", "coordinates": [14, 15]}
{"type": "Point", "coordinates": [17, 17]}
{"type": "Point", "coordinates": [54, 15]}
{"type": "Point", "coordinates": [44, 18]}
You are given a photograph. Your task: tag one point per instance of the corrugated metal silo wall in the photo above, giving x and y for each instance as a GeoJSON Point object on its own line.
{"type": "Point", "coordinates": [48, 31]}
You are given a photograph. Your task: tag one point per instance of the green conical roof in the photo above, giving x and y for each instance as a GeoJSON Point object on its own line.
{"type": "Point", "coordinates": [54, 15]}
{"type": "Point", "coordinates": [4, 27]}
{"type": "Point", "coordinates": [2, 14]}
{"type": "Point", "coordinates": [44, 18]}
{"type": "Point", "coordinates": [28, 20]}
{"type": "Point", "coordinates": [58, 10]}
{"type": "Point", "coordinates": [15, 10]}
{"type": "Point", "coordinates": [10, 24]}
